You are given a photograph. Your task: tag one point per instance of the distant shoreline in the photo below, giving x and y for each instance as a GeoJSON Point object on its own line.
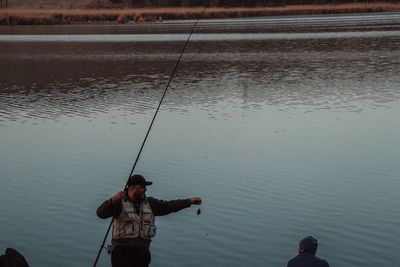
{"type": "Point", "coordinates": [44, 16]}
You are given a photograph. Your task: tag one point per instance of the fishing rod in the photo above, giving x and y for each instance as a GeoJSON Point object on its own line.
{"type": "Point", "coordinates": [151, 125]}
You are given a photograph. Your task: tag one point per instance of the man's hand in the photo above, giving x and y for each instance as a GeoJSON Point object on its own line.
{"type": "Point", "coordinates": [118, 196]}
{"type": "Point", "coordinates": [195, 201]}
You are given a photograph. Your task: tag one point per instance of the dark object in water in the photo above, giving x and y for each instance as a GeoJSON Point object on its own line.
{"type": "Point", "coordinates": [198, 211]}
{"type": "Point", "coordinates": [12, 258]}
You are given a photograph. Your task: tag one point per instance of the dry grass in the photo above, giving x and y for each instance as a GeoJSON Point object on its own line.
{"type": "Point", "coordinates": [68, 16]}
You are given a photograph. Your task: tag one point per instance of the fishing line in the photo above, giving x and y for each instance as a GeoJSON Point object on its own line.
{"type": "Point", "coordinates": [151, 125]}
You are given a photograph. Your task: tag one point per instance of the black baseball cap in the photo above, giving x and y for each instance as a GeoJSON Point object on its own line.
{"type": "Point", "coordinates": [137, 179]}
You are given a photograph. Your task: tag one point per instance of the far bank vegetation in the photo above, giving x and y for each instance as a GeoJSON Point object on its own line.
{"type": "Point", "coordinates": [50, 12]}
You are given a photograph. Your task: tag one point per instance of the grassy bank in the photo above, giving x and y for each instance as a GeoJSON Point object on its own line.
{"type": "Point", "coordinates": [69, 16]}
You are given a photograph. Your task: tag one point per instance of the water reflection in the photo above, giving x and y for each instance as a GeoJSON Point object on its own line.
{"type": "Point", "coordinates": [123, 38]}
{"type": "Point", "coordinates": [48, 80]}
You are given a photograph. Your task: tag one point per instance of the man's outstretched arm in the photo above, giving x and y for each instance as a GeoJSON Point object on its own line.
{"type": "Point", "coordinates": [163, 207]}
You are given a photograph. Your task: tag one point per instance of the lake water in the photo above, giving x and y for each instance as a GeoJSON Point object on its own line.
{"type": "Point", "coordinates": [286, 127]}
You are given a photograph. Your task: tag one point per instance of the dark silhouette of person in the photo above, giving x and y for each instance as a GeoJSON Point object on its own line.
{"type": "Point", "coordinates": [306, 257]}
{"type": "Point", "coordinates": [12, 258]}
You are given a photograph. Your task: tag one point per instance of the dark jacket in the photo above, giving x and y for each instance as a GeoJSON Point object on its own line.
{"type": "Point", "coordinates": [159, 208]}
{"type": "Point", "coordinates": [307, 260]}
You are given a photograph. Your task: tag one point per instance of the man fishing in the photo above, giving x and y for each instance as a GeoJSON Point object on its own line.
{"type": "Point", "coordinates": [306, 258]}
{"type": "Point", "coordinates": [134, 221]}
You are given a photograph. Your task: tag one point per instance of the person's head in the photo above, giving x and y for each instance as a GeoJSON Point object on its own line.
{"type": "Point", "coordinates": [308, 245]}
{"type": "Point", "coordinates": [136, 187]}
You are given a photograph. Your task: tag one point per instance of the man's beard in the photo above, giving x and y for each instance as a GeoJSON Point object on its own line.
{"type": "Point", "coordinates": [139, 195]}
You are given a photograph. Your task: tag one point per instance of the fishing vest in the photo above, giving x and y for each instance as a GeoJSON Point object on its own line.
{"type": "Point", "coordinates": [130, 224]}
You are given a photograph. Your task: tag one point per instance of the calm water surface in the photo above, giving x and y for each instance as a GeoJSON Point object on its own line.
{"type": "Point", "coordinates": [283, 135]}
